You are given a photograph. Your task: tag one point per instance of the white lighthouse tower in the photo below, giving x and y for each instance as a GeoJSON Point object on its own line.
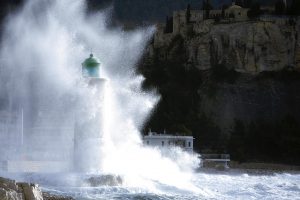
{"type": "Point", "coordinates": [89, 123]}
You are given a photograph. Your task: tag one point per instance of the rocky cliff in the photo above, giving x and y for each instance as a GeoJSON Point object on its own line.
{"type": "Point", "coordinates": [268, 44]}
{"type": "Point", "coordinates": [234, 86]}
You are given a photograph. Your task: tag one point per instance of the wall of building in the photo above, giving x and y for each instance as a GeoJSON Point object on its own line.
{"type": "Point", "coordinates": [240, 14]}
{"type": "Point", "coordinates": [179, 21]}
{"type": "Point", "coordinates": [197, 16]}
{"type": "Point", "coordinates": [197, 22]}
{"type": "Point", "coordinates": [185, 143]}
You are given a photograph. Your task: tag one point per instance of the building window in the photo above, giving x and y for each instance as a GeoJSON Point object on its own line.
{"type": "Point", "coordinates": [189, 144]}
{"type": "Point", "coordinates": [147, 142]}
{"type": "Point", "coordinates": [162, 143]}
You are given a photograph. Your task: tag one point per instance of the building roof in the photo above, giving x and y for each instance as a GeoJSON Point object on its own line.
{"type": "Point", "coordinates": [234, 6]}
{"type": "Point", "coordinates": [166, 136]}
{"type": "Point", "coordinates": [91, 61]}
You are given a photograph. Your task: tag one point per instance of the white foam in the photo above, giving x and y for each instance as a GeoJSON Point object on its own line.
{"type": "Point", "coordinates": [45, 43]}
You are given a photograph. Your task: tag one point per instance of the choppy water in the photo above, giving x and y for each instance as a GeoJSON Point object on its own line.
{"type": "Point", "coordinates": [225, 185]}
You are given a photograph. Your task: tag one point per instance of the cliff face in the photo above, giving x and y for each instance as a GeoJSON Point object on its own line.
{"type": "Point", "coordinates": [249, 47]}
{"type": "Point", "coordinates": [265, 97]}
{"type": "Point", "coordinates": [235, 86]}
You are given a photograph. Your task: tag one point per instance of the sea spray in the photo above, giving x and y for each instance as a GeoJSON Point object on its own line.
{"type": "Point", "coordinates": [43, 46]}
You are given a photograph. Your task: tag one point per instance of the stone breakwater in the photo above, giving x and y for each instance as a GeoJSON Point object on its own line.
{"type": "Point", "coordinates": [12, 190]}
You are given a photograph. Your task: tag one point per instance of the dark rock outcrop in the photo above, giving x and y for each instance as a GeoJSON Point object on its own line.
{"type": "Point", "coordinates": [10, 190]}
{"type": "Point", "coordinates": [47, 196]}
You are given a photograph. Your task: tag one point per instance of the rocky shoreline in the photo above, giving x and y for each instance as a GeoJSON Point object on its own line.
{"type": "Point", "coordinates": [47, 196]}
{"type": "Point", "coordinates": [12, 190]}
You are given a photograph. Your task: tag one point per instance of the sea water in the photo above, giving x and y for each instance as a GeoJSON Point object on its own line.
{"type": "Point", "coordinates": [221, 185]}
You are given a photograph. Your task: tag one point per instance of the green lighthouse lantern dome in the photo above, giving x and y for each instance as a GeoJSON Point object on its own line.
{"type": "Point", "coordinates": [91, 67]}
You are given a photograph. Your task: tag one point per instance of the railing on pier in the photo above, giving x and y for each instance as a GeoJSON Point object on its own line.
{"type": "Point", "coordinates": [216, 157]}
{"type": "Point", "coordinates": [219, 161]}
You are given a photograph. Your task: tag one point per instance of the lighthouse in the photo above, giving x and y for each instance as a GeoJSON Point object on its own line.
{"type": "Point", "coordinates": [91, 67]}
{"type": "Point", "coordinates": [89, 122]}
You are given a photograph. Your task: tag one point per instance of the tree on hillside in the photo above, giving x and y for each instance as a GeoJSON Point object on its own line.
{"type": "Point", "coordinates": [254, 11]}
{"type": "Point", "coordinates": [207, 7]}
{"type": "Point", "coordinates": [169, 25]}
{"type": "Point", "coordinates": [188, 13]}
{"type": "Point", "coordinates": [239, 3]}
{"type": "Point", "coordinates": [280, 7]}
{"type": "Point", "coordinates": [295, 8]}
{"type": "Point", "coordinates": [224, 7]}
{"type": "Point", "coordinates": [247, 3]}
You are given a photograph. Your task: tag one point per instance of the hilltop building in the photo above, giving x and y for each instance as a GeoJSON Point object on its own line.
{"type": "Point", "coordinates": [166, 140]}
{"type": "Point", "coordinates": [233, 13]}
{"type": "Point", "coordinates": [188, 21]}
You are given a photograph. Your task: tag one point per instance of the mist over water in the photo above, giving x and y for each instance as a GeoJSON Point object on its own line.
{"type": "Point", "coordinates": [42, 49]}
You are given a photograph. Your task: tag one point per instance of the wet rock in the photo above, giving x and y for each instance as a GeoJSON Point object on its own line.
{"type": "Point", "coordinates": [31, 191]}
{"type": "Point", "coordinates": [108, 180]}
{"type": "Point", "coordinates": [10, 195]}
{"type": "Point", "coordinates": [48, 196]}
{"type": "Point", "coordinates": [10, 190]}
{"type": "Point", "coordinates": [8, 184]}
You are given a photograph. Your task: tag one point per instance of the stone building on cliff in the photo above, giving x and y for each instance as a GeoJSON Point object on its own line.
{"type": "Point", "coordinates": [233, 13]}
{"type": "Point", "coordinates": [196, 19]}
{"type": "Point", "coordinates": [228, 37]}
